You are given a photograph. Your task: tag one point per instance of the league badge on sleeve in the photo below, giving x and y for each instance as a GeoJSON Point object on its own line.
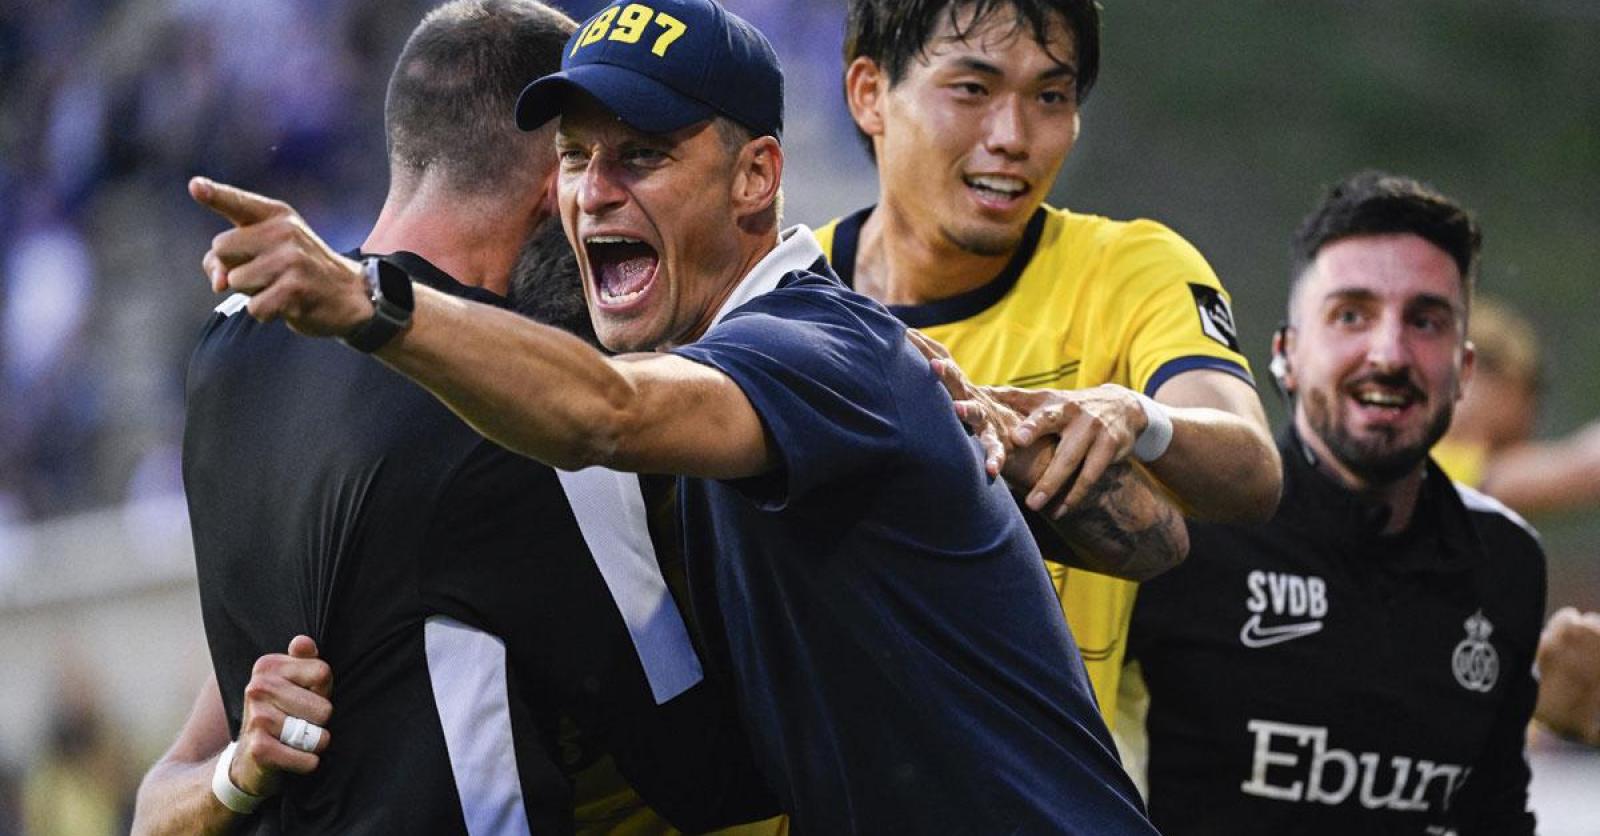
{"type": "Point", "coordinates": [1216, 318]}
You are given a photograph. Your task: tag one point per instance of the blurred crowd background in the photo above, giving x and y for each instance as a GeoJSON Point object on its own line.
{"type": "Point", "coordinates": [1221, 118]}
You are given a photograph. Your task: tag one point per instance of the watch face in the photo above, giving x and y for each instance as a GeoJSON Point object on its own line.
{"type": "Point", "coordinates": [392, 304]}
{"type": "Point", "coordinates": [394, 286]}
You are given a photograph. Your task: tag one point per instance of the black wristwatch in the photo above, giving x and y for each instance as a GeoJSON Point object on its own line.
{"type": "Point", "coordinates": [392, 304]}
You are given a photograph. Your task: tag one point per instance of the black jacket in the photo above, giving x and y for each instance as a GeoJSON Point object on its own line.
{"type": "Point", "coordinates": [1312, 675]}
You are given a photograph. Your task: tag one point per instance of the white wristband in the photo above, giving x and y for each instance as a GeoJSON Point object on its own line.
{"type": "Point", "coordinates": [1157, 435]}
{"type": "Point", "coordinates": [222, 786]}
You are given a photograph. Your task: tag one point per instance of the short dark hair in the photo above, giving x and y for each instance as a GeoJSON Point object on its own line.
{"type": "Point", "coordinates": [547, 286]}
{"type": "Point", "coordinates": [1378, 203]}
{"type": "Point", "coordinates": [893, 33]}
{"type": "Point", "coordinates": [452, 97]}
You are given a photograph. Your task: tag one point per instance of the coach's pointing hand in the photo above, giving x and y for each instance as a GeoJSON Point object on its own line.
{"type": "Point", "coordinates": [281, 687]}
{"type": "Point", "coordinates": [273, 257]}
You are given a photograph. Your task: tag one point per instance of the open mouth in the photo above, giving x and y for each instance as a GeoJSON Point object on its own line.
{"type": "Point", "coordinates": [996, 188]}
{"type": "Point", "coordinates": [1384, 398]}
{"type": "Point", "coordinates": [623, 267]}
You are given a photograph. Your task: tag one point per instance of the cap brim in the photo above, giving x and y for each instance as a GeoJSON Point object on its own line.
{"type": "Point", "coordinates": [638, 100]}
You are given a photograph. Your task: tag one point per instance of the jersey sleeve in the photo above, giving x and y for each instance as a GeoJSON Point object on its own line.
{"type": "Point", "coordinates": [203, 361]}
{"type": "Point", "coordinates": [1494, 799]}
{"type": "Point", "coordinates": [1176, 317]}
{"type": "Point", "coordinates": [817, 378]}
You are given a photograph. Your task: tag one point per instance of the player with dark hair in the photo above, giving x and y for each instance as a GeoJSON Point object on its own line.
{"type": "Point", "coordinates": [1376, 203]}
{"type": "Point", "coordinates": [895, 35]}
{"type": "Point", "coordinates": [1362, 663]}
{"type": "Point", "coordinates": [1114, 337]}
{"type": "Point", "coordinates": [495, 626]}
{"type": "Point", "coordinates": [878, 602]}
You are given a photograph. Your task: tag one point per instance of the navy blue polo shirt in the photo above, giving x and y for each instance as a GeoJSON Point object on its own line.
{"type": "Point", "coordinates": [898, 652]}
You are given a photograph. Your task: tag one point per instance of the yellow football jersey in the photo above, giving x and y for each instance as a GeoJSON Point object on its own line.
{"type": "Point", "coordinates": [1084, 301]}
{"type": "Point", "coordinates": [1462, 461]}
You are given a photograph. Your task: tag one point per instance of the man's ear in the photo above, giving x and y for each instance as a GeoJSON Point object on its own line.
{"type": "Point", "coordinates": [1469, 363]}
{"type": "Point", "coordinates": [758, 177]}
{"type": "Point", "coordinates": [549, 205]}
{"type": "Point", "coordinates": [865, 88]}
{"type": "Point", "coordinates": [1282, 374]}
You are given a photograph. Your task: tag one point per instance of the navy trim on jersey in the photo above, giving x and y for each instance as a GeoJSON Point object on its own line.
{"type": "Point", "coordinates": [847, 238]}
{"type": "Point", "coordinates": [1178, 365]}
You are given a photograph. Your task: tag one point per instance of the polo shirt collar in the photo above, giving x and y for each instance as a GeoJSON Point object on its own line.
{"type": "Point", "coordinates": [797, 250]}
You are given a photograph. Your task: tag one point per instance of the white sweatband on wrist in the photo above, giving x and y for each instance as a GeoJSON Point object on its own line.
{"type": "Point", "coordinates": [1157, 435]}
{"type": "Point", "coordinates": [222, 786]}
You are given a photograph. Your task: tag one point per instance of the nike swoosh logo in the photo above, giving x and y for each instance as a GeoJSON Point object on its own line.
{"type": "Point", "coordinates": [1254, 635]}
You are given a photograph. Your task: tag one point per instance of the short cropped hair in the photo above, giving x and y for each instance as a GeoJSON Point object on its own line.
{"type": "Point", "coordinates": [734, 137]}
{"type": "Point", "coordinates": [452, 98]}
{"type": "Point", "coordinates": [1377, 203]}
{"type": "Point", "coordinates": [893, 33]}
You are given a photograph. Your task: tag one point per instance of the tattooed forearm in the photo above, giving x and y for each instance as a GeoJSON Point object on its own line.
{"type": "Point", "coordinates": [1125, 527]}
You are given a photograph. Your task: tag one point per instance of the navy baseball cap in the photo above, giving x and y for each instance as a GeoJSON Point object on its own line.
{"type": "Point", "coordinates": [661, 65]}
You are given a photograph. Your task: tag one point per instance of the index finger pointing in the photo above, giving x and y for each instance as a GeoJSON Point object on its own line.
{"type": "Point", "coordinates": [240, 207]}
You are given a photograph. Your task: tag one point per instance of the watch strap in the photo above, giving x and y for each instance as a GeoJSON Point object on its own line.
{"type": "Point", "coordinates": [392, 303]}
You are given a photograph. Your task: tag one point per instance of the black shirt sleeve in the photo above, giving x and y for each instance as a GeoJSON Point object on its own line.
{"type": "Point", "coordinates": [1494, 799]}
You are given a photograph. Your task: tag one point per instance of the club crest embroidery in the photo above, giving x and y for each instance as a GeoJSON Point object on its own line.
{"type": "Point", "coordinates": [1476, 663]}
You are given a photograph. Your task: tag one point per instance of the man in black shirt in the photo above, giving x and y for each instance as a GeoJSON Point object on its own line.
{"type": "Point", "coordinates": [1363, 663]}
{"type": "Point", "coordinates": [495, 625]}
